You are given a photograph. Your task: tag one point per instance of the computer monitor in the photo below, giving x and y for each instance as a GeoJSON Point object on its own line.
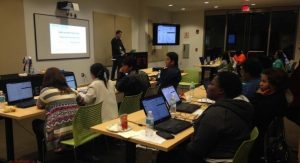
{"type": "Point", "coordinates": [19, 91]}
{"type": "Point", "coordinates": [71, 81]}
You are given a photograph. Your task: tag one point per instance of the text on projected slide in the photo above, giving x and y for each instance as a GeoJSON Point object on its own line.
{"type": "Point", "coordinates": [68, 39]}
{"type": "Point", "coordinates": [166, 34]}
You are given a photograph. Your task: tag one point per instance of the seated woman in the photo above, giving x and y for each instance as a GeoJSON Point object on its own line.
{"type": "Point", "coordinates": [279, 60]}
{"type": "Point", "coordinates": [269, 102]}
{"type": "Point", "coordinates": [101, 90]}
{"type": "Point", "coordinates": [60, 104]}
{"type": "Point", "coordinates": [171, 75]}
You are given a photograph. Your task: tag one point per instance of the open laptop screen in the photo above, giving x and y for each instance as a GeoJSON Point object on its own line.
{"type": "Point", "coordinates": [168, 92]}
{"type": "Point", "coordinates": [18, 91]}
{"type": "Point", "coordinates": [71, 81]}
{"type": "Point", "coordinates": [158, 107]}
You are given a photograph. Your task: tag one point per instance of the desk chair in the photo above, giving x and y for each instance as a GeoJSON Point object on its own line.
{"type": "Point", "coordinates": [130, 104]}
{"type": "Point", "coordinates": [192, 76]}
{"type": "Point", "coordinates": [242, 153]}
{"type": "Point", "coordinates": [151, 91]}
{"type": "Point", "coordinates": [85, 118]}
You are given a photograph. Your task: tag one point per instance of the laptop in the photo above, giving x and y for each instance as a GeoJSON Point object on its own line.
{"type": "Point", "coordinates": [169, 91]}
{"type": "Point", "coordinates": [71, 81]}
{"type": "Point", "coordinates": [20, 94]}
{"type": "Point", "coordinates": [162, 117]}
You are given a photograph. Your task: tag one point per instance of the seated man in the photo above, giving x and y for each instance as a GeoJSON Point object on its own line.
{"type": "Point", "coordinates": [250, 73]}
{"type": "Point", "coordinates": [222, 127]}
{"type": "Point", "coordinates": [131, 81]}
{"type": "Point", "coordinates": [171, 75]}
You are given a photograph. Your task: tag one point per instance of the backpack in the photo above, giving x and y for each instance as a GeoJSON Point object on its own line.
{"type": "Point", "coordinates": [276, 148]}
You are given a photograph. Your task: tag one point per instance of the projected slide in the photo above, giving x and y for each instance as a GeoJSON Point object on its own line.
{"type": "Point", "coordinates": [166, 34]}
{"type": "Point", "coordinates": [67, 39]}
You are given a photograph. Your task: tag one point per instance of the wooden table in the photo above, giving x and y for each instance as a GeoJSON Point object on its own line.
{"type": "Point", "coordinates": [19, 114]}
{"type": "Point", "coordinates": [139, 117]}
{"type": "Point", "coordinates": [212, 67]}
{"type": "Point", "coordinates": [151, 73]}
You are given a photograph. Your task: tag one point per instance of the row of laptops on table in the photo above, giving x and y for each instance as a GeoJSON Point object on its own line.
{"type": "Point", "coordinates": [159, 105]}
{"type": "Point", "coordinates": [20, 93]}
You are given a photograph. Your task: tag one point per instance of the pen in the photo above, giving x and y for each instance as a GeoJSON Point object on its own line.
{"type": "Point", "coordinates": [139, 124]}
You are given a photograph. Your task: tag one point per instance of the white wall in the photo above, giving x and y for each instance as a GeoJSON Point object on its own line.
{"type": "Point", "coordinates": [297, 50]}
{"type": "Point", "coordinates": [189, 21]}
{"type": "Point", "coordinates": [128, 8]}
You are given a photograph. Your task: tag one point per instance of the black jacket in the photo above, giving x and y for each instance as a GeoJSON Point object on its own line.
{"type": "Point", "coordinates": [169, 76]}
{"type": "Point", "coordinates": [133, 83]}
{"type": "Point", "coordinates": [117, 48]}
{"type": "Point", "coordinates": [220, 130]}
{"type": "Point", "coordinates": [267, 108]}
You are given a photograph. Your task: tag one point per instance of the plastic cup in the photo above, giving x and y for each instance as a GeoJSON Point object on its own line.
{"type": "Point", "coordinates": [124, 122]}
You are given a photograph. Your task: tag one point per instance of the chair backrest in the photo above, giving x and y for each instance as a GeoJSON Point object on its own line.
{"type": "Point", "coordinates": [85, 118]}
{"type": "Point", "coordinates": [151, 91]}
{"type": "Point", "coordinates": [243, 151]}
{"type": "Point", "coordinates": [130, 104]}
{"type": "Point", "coordinates": [192, 76]}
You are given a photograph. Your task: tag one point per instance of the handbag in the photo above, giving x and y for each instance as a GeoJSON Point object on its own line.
{"type": "Point", "coordinates": [276, 148]}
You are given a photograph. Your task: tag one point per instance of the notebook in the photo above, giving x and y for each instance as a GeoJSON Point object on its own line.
{"type": "Point", "coordinates": [162, 117]}
{"type": "Point", "coordinates": [170, 91]}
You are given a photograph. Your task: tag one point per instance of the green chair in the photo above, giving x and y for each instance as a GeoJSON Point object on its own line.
{"type": "Point", "coordinates": [151, 91]}
{"type": "Point", "coordinates": [242, 154]}
{"type": "Point", "coordinates": [130, 104]}
{"type": "Point", "coordinates": [191, 76]}
{"type": "Point", "coordinates": [85, 118]}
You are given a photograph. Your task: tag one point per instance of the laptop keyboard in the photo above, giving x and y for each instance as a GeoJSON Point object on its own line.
{"type": "Point", "coordinates": [26, 104]}
{"type": "Point", "coordinates": [173, 126]}
{"type": "Point", "coordinates": [187, 108]}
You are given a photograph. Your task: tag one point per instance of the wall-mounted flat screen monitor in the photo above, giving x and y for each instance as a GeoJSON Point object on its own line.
{"type": "Point", "coordinates": [166, 34]}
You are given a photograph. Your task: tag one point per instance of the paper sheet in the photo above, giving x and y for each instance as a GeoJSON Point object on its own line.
{"type": "Point", "coordinates": [206, 100]}
{"type": "Point", "coordinates": [198, 112]}
{"type": "Point", "coordinates": [128, 134]}
{"type": "Point", "coordinates": [153, 139]}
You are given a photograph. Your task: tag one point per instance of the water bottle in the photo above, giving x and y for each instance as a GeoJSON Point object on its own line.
{"type": "Point", "coordinates": [173, 106]}
{"type": "Point", "coordinates": [192, 87]}
{"type": "Point", "coordinates": [158, 75]}
{"type": "Point", "coordinates": [149, 123]}
{"type": "Point", "coordinates": [2, 97]}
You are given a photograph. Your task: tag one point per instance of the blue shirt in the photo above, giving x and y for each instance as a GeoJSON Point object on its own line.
{"type": "Point", "coordinates": [250, 87]}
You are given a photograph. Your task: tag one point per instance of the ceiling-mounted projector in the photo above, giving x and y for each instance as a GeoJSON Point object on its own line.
{"type": "Point", "coordinates": [66, 5]}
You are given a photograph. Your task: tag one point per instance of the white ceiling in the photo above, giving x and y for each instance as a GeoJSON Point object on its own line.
{"type": "Point", "coordinates": [223, 4]}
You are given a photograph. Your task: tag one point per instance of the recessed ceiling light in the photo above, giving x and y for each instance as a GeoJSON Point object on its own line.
{"type": "Point", "coordinates": [253, 4]}
{"type": "Point", "coordinates": [247, 0]}
{"type": "Point", "coordinates": [183, 9]}
{"type": "Point", "coordinates": [206, 2]}
{"type": "Point", "coordinates": [216, 6]}
{"type": "Point", "coordinates": [170, 5]}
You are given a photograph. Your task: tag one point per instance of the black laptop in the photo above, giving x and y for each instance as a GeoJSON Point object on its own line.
{"type": "Point", "coordinates": [169, 91]}
{"type": "Point", "coordinates": [20, 94]}
{"type": "Point", "coordinates": [162, 117]}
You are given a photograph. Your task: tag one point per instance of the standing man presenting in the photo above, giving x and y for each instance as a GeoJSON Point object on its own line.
{"type": "Point", "coordinates": [118, 53]}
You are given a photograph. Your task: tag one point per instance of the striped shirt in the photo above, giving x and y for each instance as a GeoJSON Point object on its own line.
{"type": "Point", "coordinates": [60, 111]}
